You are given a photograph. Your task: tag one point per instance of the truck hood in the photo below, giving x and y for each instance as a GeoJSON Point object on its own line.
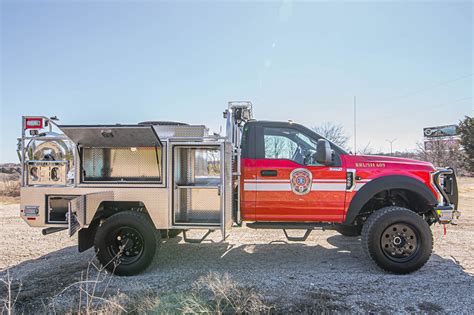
{"type": "Point", "coordinates": [389, 161]}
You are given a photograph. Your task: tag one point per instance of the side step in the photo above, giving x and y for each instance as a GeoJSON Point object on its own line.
{"type": "Point", "coordinates": [291, 225]}
{"type": "Point", "coordinates": [196, 240]}
{"type": "Point", "coordinates": [309, 227]}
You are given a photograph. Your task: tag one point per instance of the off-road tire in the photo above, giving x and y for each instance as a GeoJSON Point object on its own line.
{"type": "Point", "coordinates": [349, 230]}
{"type": "Point", "coordinates": [105, 242]}
{"type": "Point", "coordinates": [381, 221]}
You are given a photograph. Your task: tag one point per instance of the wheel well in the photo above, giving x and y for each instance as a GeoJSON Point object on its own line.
{"type": "Point", "coordinates": [396, 197]}
{"type": "Point", "coordinates": [105, 210]}
{"type": "Point", "coordinates": [108, 208]}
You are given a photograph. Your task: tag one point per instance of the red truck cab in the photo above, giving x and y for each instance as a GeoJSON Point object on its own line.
{"type": "Point", "coordinates": [292, 177]}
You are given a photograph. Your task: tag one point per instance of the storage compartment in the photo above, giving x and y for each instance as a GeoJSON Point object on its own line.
{"type": "Point", "coordinates": [197, 185]}
{"type": "Point", "coordinates": [141, 164]}
{"type": "Point", "coordinates": [199, 166]}
{"type": "Point", "coordinates": [197, 206]}
{"type": "Point", "coordinates": [57, 208]}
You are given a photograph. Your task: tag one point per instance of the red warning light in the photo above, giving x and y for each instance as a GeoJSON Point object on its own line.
{"type": "Point", "coordinates": [33, 123]}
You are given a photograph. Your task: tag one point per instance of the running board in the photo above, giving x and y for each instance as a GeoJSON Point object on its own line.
{"type": "Point", "coordinates": [298, 238]}
{"type": "Point", "coordinates": [309, 227]}
{"type": "Point", "coordinates": [196, 240]}
{"type": "Point", "coordinates": [291, 225]}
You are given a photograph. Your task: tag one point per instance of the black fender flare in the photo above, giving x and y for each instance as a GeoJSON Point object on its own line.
{"type": "Point", "coordinates": [386, 183]}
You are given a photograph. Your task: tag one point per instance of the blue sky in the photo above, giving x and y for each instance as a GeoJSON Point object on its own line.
{"type": "Point", "coordinates": [408, 63]}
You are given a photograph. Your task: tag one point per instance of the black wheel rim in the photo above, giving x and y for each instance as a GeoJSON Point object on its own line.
{"type": "Point", "coordinates": [400, 242]}
{"type": "Point", "coordinates": [126, 246]}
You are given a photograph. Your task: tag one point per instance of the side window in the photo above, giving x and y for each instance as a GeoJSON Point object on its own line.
{"type": "Point", "coordinates": [289, 144]}
{"type": "Point", "coordinates": [279, 147]}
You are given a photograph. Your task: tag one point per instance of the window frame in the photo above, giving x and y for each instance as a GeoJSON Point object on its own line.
{"type": "Point", "coordinates": [260, 142]}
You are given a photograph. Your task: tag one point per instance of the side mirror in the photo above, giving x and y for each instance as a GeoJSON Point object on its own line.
{"type": "Point", "coordinates": [324, 153]}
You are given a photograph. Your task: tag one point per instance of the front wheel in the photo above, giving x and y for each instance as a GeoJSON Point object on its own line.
{"type": "Point", "coordinates": [126, 243]}
{"type": "Point", "coordinates": [397, 239]}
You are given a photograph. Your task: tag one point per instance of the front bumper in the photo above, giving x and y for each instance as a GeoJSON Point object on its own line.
{"type": "Point", "coordinates": [447, 214]}
{"type": "Point", "coordinates": [446, 183]}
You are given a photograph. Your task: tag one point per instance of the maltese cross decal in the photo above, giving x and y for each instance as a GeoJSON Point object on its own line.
{"type": "Point", "coordinates": [301, 180]}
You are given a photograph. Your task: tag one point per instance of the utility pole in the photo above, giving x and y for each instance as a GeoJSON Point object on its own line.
{"type": "Point", "coordinates": [391, 144]}
{"type": "Point", "coordinates": [355, 126]}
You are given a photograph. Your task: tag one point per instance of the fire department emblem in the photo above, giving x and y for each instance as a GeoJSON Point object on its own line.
{"type": "Point", "coordinates": [301, 181]}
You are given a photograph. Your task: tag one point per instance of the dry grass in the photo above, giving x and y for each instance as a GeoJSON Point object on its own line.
{"type": "Point", "coordinates": [9, 301]}
{"type": "Point", "coordinates": [9, 190]}
{"type": "Point", "coordinates": [210, 294]}
{"type": "Point", "coordinates": [220, 294]}
{"type": "Point", "coordinates": [89, 299]}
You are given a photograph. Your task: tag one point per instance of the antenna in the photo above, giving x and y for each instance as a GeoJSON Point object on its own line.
{"type": "Point", "coordinates": [355, 126]}
{"type": "Point", "coordinates": [391, 144]}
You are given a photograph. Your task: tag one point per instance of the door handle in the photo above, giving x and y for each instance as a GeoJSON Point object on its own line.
{"type": "Point", "coordinates": [269, 173]}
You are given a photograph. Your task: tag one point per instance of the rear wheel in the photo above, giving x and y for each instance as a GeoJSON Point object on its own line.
{"type": "Point", "coordinates": [126, 243]}
{"type": "Point", "coordinates": [397, 239]}
{"type": "Point", "coordinates": [349, 230]}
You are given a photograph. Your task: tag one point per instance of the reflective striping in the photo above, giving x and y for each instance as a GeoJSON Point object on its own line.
{"type": "Point", "coordinates": [288, 181]}
{"type": "Point", "coordinates": [266, 180]}
{"type": "Point", "coordinates": [329, 187]}
{"type": "Point", "coordinates": [329, 180]}
{"type": "Point", "coordinates": [267, 187]}
{"type": "Point", "coordinates": [285, 185]}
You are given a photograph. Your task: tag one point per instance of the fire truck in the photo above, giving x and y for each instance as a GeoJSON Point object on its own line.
{"type": "Point", "coordinates": [123, 188]}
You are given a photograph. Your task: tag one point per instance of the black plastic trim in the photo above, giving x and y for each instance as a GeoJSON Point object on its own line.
{"type": "Point", "coordinates": [386, 183]}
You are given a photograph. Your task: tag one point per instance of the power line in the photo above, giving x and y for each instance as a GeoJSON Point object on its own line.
{"type": "Point", "coordinates": [428, 88]}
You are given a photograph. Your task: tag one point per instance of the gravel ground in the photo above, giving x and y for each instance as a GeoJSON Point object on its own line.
{"type": "Point", "coordinates": [327, 272]}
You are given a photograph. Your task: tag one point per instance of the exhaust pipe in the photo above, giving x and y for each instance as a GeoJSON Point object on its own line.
{"type": "Point", "coordinates": [52, 230]}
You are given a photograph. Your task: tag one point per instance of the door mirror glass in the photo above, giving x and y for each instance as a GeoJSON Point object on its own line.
{"type": "Point", "coordinates": [324, 153]}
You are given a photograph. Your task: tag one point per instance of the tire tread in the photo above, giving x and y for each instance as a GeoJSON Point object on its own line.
{"type": "Point", "coordinates": [368, 230]}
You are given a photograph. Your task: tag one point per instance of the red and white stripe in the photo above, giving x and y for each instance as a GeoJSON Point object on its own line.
{"type": "Point", "coordinates": [285, 184]}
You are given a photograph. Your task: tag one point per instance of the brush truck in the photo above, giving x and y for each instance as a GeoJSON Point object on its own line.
{"type": "Point", "coordinates": [123, 188]}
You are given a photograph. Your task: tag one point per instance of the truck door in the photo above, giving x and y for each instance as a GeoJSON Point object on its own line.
{"type": "Point", "coordinates": [289, 185]}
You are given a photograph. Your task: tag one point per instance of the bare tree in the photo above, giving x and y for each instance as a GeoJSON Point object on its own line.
{"type": "Point", "coordinates": [333, 132]}
{"type": "Point", "coordinates": [279, 147]}
{"type": "Point", "coordinates": [366, 150]}
{"type": "Point", "coordinates": [441, 153]}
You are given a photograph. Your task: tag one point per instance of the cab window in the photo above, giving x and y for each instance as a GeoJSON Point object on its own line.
{"type": "Point", "coordinates": [289, 144]}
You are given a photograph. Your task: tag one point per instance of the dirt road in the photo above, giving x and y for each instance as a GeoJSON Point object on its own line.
{"type": "Point", "coordinates": [328, 271]}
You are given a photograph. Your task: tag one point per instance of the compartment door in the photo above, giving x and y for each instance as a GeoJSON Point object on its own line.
{"type": "Point", "coordinates": [81, 209]}
{"type": "Point", "coordinates": [227, 192]}
{"type": "Point", "coordinates": [112, 136]}
{"type": "Point", "coordinates": [197, 185]}
{"type": "Point", "coordinates": [76, 214]}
